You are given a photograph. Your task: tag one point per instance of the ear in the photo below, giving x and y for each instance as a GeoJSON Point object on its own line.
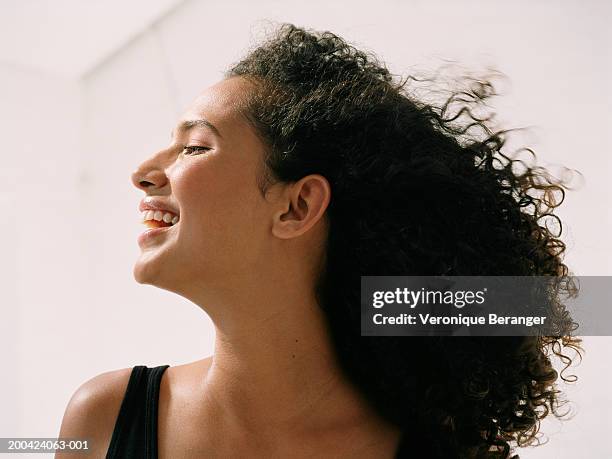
{"type": "Point", "coordinates": [304, 204]}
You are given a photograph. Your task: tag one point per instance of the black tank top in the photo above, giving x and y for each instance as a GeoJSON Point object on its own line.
{"type": "Point", "coordinates": [135, 432]}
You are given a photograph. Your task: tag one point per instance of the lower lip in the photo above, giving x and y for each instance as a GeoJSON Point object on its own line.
{"type": "Point", "coordinates": [150, 234]}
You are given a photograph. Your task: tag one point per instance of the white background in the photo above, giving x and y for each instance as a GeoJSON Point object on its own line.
{"type": "Point", "coordinates": [89, 89]}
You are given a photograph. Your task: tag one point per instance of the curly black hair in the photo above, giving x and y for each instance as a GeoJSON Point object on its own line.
{"type": "Point", "coordinates": [415, 192]}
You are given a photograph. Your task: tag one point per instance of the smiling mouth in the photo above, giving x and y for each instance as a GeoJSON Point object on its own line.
{"type": "Point", "coordinates": [159, 219]}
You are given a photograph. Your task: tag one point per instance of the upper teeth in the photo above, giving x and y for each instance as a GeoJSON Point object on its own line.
{"type": "Point", "coordinates": [159, 216]}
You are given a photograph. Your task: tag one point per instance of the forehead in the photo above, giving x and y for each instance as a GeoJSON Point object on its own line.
{"type": "Point", "coordinates": [220, 103]}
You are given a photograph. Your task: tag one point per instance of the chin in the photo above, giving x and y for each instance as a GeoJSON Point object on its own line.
{"type": "Point", "coordinates": [147, 270]}
{"type": "Point", "coordinates": [141, 275]}
{"type": "Point", "coordinates": [152, 269]}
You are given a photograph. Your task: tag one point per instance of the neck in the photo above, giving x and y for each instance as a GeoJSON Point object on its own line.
{"type": "Point", "coordinates": [278, 370]}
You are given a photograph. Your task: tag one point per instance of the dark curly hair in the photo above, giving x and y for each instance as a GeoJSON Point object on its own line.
{"type": "Point", "coordinates": [414, 192]}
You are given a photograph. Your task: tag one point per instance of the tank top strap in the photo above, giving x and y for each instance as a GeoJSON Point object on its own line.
{"type": "Point", "coordinates": [151, 407]}
{"type": "Point", "coordinates": [135, 431]}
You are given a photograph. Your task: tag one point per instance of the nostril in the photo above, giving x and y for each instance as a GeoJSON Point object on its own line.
{"type": "Point", "coordinates": [145, 184]}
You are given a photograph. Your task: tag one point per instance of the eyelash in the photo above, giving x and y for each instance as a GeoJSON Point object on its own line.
{"type": "Point", "coordinates": [193, 148]}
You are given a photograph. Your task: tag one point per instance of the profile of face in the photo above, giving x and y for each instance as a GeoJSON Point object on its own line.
{"type": "Point", "coordinates": [227, 231]}
{"type": "Point", "coordinates": [207, 176]}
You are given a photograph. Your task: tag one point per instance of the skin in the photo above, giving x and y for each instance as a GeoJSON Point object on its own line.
{"type": "Point", "coordinates": [272, 388]}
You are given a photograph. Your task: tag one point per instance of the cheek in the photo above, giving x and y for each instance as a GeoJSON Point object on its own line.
{"type": "Point", "coordinates": [220, 204]}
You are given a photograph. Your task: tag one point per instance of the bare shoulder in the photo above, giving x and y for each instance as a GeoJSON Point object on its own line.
{"type": "Point", "coordinates": [187, 372]}
{"type": "Point", "coordinates": [93, 409]}
{"type": "Point", "coordinates": [182, 381]}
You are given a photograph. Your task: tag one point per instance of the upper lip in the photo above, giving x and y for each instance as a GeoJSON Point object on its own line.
{"type": "Point", "coordinates": [150, 203]}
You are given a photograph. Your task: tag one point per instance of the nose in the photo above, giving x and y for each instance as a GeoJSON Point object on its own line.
{"type": "Point", "coordinates": [149, 176]}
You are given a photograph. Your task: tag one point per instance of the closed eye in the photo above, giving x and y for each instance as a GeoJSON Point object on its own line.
{"type": "Point", "coordinates": [191, 149]}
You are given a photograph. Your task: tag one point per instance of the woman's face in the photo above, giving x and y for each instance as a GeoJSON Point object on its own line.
{"type": "Point", "coordinates": [223, 221]}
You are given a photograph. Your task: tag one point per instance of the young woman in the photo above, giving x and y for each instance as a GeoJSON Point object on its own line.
{"type": "Point", "coordinates": [305, 168]}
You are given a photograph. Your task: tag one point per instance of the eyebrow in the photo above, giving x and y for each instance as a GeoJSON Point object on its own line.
{"type": "Point", "coordinates": [189, 124]}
